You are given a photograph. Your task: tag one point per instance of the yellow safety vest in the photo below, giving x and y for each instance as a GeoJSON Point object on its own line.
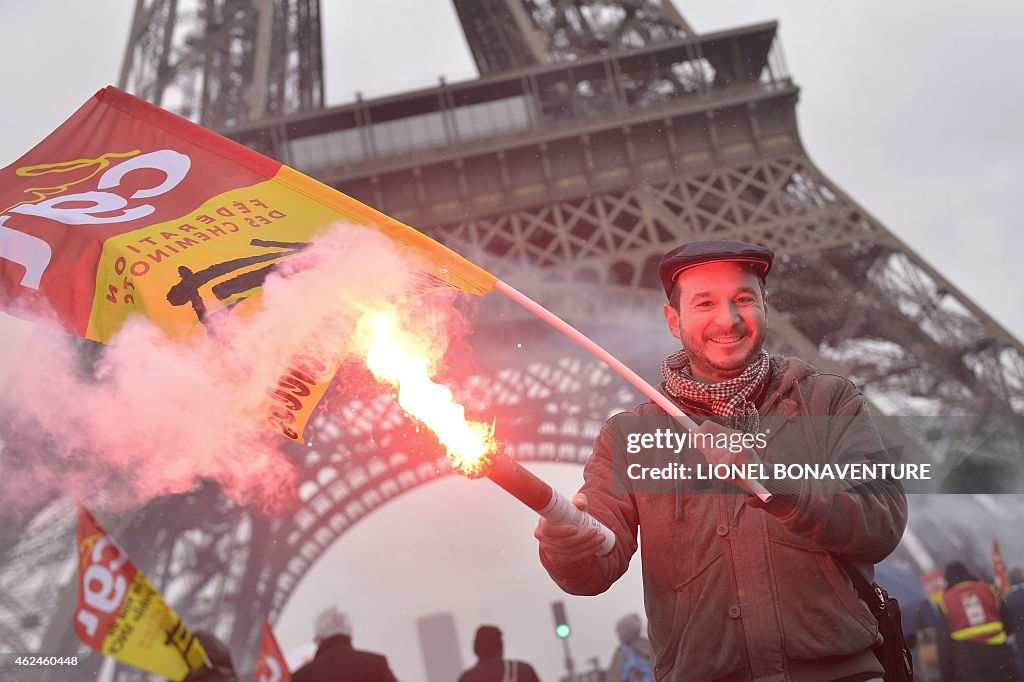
{"type": "Point", "coordinates": [963, 603]}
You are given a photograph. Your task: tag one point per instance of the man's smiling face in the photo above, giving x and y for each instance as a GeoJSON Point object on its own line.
{"type": "Point", "coordinates": [721, 320]}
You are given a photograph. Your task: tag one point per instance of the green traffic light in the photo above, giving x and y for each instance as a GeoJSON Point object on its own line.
{"type": "Point", "coordinates": [562, 630]}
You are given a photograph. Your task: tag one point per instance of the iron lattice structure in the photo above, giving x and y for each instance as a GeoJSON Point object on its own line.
{"type": "Point", "coordinates": [568, 176]}
{"type": "Point", "coordinates": [508, 34]}
{"type": "Point", "coordinates": [225, 62]}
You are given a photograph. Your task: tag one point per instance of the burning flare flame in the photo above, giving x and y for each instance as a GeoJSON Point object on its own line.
{"type": "Point", "coordinates": [394, 359]}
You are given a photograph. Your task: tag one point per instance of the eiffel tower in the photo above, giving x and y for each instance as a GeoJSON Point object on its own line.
{"type": "Point", "coordinates": [599, 134]}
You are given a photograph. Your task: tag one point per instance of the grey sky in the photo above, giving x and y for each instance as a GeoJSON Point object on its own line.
{"type": "Point", "coordinates": [913, 108]}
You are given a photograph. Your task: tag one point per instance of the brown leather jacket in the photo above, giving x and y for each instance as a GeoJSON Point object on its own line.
{"type": "Point", "coordinates": [739, 591]}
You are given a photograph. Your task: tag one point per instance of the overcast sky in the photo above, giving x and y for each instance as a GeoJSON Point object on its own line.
{"type": "Point", "coordinates": [913, 108]}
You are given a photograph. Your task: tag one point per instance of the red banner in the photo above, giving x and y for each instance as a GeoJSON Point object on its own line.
{"type": "Point", "coordinates": [934, 583]}
{"type": "Point", "coordinates": [1002, 576]}
{"type": "Point", "coordinates": [271, 666]}
{"type": "Point", "coordinates": [122, 615]}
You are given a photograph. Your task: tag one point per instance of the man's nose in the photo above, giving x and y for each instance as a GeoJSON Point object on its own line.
{"type": "Point", "coordinates": [729, 315]}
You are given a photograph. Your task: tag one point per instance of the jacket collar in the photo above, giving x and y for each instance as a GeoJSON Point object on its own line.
{"type": "Point", "coordinates": [342, 642]}
{"type": "Point", "coordinates": [782, 380]}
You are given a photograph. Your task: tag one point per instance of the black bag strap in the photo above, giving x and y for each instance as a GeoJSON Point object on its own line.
{"type": "Point", "coordinates": [872, 594]}
{"type": "Point", "coordinates": [893, 653]}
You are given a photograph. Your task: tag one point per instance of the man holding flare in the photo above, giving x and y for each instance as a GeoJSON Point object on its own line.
{"type": "Point", "coordinates": [736, 589]}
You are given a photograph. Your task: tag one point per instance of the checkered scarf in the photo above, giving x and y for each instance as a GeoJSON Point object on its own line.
{"type": "Point", "coordinates": [725, 399]}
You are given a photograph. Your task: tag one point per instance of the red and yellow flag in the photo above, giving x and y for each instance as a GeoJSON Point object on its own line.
{"type": "Point", "coordinates": [271, 666]}
{"type": "Point", "coordinates": [1002, 576]}
{"type": "Point", "coordinates": [934, 583]}
{"type": "Point", "coordinates": [121, 614]}
{"type": "Point", "coordinates": [128, 209]}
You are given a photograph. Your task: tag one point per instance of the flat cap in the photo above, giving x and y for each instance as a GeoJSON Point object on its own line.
{"type": "Point", "coordinates": [698, 253]}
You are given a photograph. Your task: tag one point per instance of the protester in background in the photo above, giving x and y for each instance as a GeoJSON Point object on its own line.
{"type": "Point", "coordinates": [220, 666]}
{"type": "Point", "coordinates": [977, 646]}
{"type": "Point", "coordinates": [924, 619]}
{"type": "Point", "coordinates": [491, 666]}
{"type": "Point", "coordinates": [336, 660]}
{"type": "Point", "coordinates": [632, 659]}
{"type": "Point", "coordinates": [1013, 610]}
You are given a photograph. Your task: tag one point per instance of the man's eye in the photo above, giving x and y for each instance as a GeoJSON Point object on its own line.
{"type": "Point", "coordinates": [746, 299]}
{"type": "Point", "coordinates": [704, 304]}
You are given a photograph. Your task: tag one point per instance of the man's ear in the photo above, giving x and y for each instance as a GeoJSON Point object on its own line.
{"type": "Point", "coordinates": [672, 318]}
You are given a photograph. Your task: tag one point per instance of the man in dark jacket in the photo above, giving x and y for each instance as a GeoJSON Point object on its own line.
{"type": "Point", "coordinates": [737, 589]}
{"type": "Point", "coordinates": [976, 648]}
{"type": "Point", "coordinates": [336, 660]}
{"type": "Point", "coordinates": [491, 666]}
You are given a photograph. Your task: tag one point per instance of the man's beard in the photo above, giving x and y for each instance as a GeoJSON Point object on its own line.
{"type": "Point", "coordinates": [698, 352]}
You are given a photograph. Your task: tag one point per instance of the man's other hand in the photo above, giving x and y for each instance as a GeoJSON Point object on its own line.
{"type": "Point", "coordinates": [746, 458]}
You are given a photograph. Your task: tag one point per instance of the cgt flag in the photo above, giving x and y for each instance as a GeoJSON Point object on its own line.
{"type": "Point", "coordinates": [934, 584]}
{"type": "Point", "coordinates": [128, 209]}
{"type": "Point", "coordinates": [271, 666]}
{"type": "Point", "coordinates": [1002, 576]}
{"type": "Point", "coordinates": [120, 613]}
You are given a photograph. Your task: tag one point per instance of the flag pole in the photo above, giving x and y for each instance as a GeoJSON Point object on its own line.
{"type": "Point", "coordinates": [629, 375]}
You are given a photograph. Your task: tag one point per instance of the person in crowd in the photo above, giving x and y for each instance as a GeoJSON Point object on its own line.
{"type": "Point", "coordinates": [1013, 610]}
{"type": "Point", "coordinates": [491, 665]}
{"type": "Point", "coordinates": [975, 646]}
{"type": "Point", "coordinates": [336, 660]}
{"type": "Point", "coordinates": [632, 659]}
